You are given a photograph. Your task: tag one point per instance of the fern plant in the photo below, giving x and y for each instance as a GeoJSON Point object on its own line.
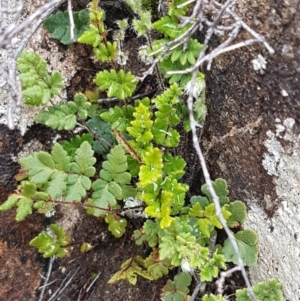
{"type": "Point", "coordinates": [96, 33]}
{"type": "Point", "coordinates": [186, 242]}
{"type": "Point", "coordinates": [24, 199]}
{"type": "Point", "coordinates": [119, 84]}
{"type": "Point", "coordinates": [136, 141]}
{"type": "Point", "coordinates": [177, 56]}
{"type": "Point", "coordinates": [38, 86]}
{"type": "Point", "coordinates": [53, 242]}
{"type": "Point", "coordinates": [113, 184]}
{"type": "Point", "coordinates": [183, 57]}
{"type": "Point", "coordinates": [64, 115]}
{"type": "Point", "coordinates": [96, 36]}
{"type": "Point", "coordinates": [264, 291]}
{"type": "Point", "coordinates": [51, 176]}
{"type": "Point", "coordinates": [167, 192]}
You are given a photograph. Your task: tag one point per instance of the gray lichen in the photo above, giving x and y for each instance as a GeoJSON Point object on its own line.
{"type": "Point", "coordinates": [278, 236]}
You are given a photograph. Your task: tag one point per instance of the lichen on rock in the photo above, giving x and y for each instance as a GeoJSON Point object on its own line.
{"type": "Point", "coordinates": [279, 235]}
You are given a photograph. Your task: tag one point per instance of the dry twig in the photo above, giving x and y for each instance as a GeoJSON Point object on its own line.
{"type": "Point", "coordinates": [250, 127]}
{"type": "Point", "coordinates": [64, 284]}
{"type": "Point", "coordinates": [211, 190]}
{"type": "Point", "coordinates": [46, 279]}
{"type": "Point", "coordinates": [214, 16]}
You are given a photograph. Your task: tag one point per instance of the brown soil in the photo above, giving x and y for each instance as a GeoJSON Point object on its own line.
{"type": "Point", "coordinates": [20, 267]}
{"type": "Point", "coordinates": [104, 259]}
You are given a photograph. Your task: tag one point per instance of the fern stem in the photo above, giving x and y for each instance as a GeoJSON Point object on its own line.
{"type": "Point", "coordinates": [110, 210]}
{"type": "Point", "coordinates": [195, 292]}
{"type": "Point", "coordinates": [160, 78]}
{"type": "Point", "coordinates": [46, 279]}
{"type": "Point", "coordinates": [142, 95]}
{"type": "Point", "coordinates": [101, 140]}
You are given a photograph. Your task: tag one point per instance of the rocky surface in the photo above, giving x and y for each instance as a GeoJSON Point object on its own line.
{"type": "Point", "coordinates": [261, 164]}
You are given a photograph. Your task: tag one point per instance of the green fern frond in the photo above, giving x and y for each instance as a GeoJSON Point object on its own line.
{"type": "Point", "coordinates": [62, 116]}
{"type": "Point", "coordinates": [166, 117]}
{"type": "Point", "coordinates": [105, 139]}
{"type": "Point", "coordinates": [187, 53]}
{"type": "Point", "coordinates": [169, 27]}
{"type": "Point", "coordinates": [28, 196]}
{"type": "Point", "coordinates": [54, 244]}
{"type": "Point", "coordinates": [91, 37]}
{"type": "Point", "coordinates": [142, 25]}
{"type": "Point", "coordinates": [58, 174]}
{"type": "Point", "coordinates": [264, 291]}
{"type": "Point", "coordinates": [141, 125]}
{"type": "Point", "coordinates": [79, 182]}
{"type": "Point", "coordinates": [74, 143]}
{"type": "Point", "coordinates": [113, 185]}
{"type": "Point", "coordinates": [171, 95]}
{"type": "Point", "coordinates": [166, 65]}
{"type": "Point", "coordinates": [106, 52]}
{"type": "Point", "coordinates": [148, 233]}
{"type": "Point", "coordinates": [48, 168]}
{"type": "Point", "coordinates": [129, 271]}
{"type": "Point", "coordinates": [163, 131]}
{"type": "Point", "coordinates": [116, 225]}
{"type": "Point", "coordinates": [119, 117]}
{"type": "Point", "coordinates": [38, 86]}
{"type": "Point", "coordinates": [177, 244]}
{"type": "Point", "coordinates": [175, 11]}
{"type": "Point", "coordinates": [207, 218]}
{"type": "Point", "coordinates": [117, 84]}
{"type": "Point", "coordinates": [96, 31]}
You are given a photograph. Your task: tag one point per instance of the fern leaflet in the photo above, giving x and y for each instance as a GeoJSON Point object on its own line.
{"type": "Point", "coordinates": [38, 86]}
{"type": "Point", "coordinates": [63, 116]}
{"type": "Point", "coordinates": [117, 84]}
{"type": "Point", "coordinates": [113, 185]}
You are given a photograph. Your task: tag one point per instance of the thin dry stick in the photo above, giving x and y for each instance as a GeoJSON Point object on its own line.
{"type": "Point", "coordinates": [45, 285]}
{"type": "Point", "coordinates": [234, 132]}
{"type": "Point", "coordinates": [93, 282]}
{"type": "Point", "coordinates": [29, 31]}
{"type": "Point", "coordinates": [199, 18]}
{"type": "Point", "coordinates": [71, 19]}
{"type": "Point", "coordinates": [64, 285]}
{"type": "Point", "coordinates": [212, 192]}
{"type": "Point", "coordinates": [220, 282]}
{"type": "Point", "coordinates": [13, 29]}
{"type": "Point", "coordinates": [215, 27]}
{"type": "Point", "coordinates": [195, 292]}
{"type": "Point", "coordinates": [47, 278]}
